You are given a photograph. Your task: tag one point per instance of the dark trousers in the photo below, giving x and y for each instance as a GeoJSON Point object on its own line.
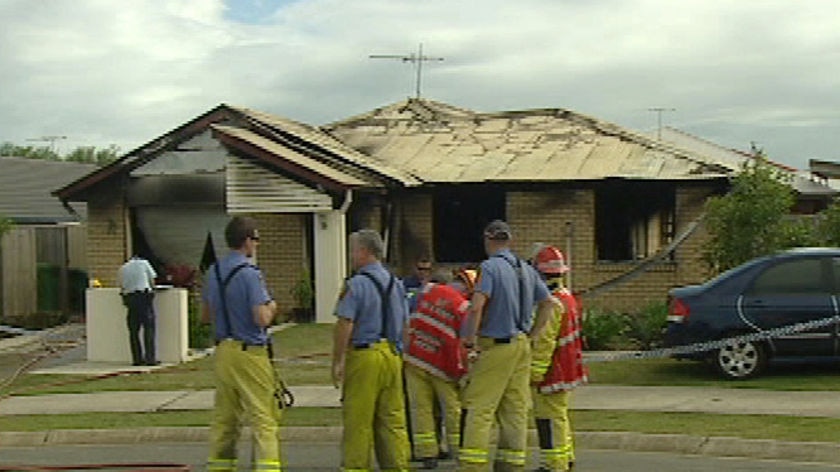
{"type": "Point", "coordinates": [141, 315]}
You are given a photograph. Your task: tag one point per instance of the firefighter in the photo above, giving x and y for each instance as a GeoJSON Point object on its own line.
{"type": "Point", "coordinates": [497, 332]}
{"type": "Point", "coordinates": [371, 313]}
{"type": "Point", "coordinates": [556, 367]}
{"type": "Point", "coordinates": [236, 298]}
{"type": "Point", "coordinates": [435, 362]}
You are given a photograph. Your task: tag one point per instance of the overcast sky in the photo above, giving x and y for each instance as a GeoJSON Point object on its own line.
{"type": "Point", "coordinates": [124, 72]}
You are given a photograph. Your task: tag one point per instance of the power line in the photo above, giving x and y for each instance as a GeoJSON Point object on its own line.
{"type": "Point", "coordinates": [416, 59]}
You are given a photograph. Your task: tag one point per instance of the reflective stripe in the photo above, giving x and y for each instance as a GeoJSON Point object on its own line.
{"type": "Point", "coordinates": [448, 330]}
{"type": "Point", "coordinates": [473, 456]}
{"type": "Point", "coordinates": [221, 465]}
{"type": "Point", "coordinates": [425, 438]}
{"type": "Point", "coordinates": [511, 456]}
{"type": "Point", "coordinates": [354, 470]}
{"type": "Point", "coordinates": [421, 364]}
{"type": "Point", "coordinates": [269, 465]}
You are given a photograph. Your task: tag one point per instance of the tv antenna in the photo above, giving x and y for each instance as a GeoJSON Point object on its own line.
{"type": "Point", "coordinates": [659, 111]}
{"type": "Point", "coordinates": [417, 59]}
{"type": "Point", "coordinates": [48, 139]}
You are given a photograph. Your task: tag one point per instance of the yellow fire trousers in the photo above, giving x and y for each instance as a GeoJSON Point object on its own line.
{"type": "Point", "coordinates": [245, 383]}
{"type": "Point", "coordinates": [497, 390]}
{"type": "Point", "coordinates": [374, 410]}
{"type": "Point", "coordinates": [424, 389]}
{"type": "Point", "coordinates": [554, 429]}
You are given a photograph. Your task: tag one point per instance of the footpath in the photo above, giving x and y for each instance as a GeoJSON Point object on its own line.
{"type": "Point", "coordinates": [592, 397]}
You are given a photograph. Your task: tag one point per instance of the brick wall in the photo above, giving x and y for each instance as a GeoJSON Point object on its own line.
{"type": "Point", "coordinates": [106, 236]}
{"type": "Point", "coordinates": [542, 216]}
{"type": "Point", "coordinates": [282, 253]}
{"type": "Point", "coordinates": [414, 226]}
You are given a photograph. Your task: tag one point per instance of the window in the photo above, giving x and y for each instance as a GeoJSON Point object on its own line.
{"type": "Point", "coordinates": [460, 215]}
{"type": "Point", "coordinates": [799, 276]}
{"type": "Point", "coordinates": [633, 220]}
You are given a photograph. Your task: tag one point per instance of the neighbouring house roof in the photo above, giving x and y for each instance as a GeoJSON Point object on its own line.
{"type": "Point", "coordinates": [443, 144]}
{"type": "Point", "coordinates": [25, 190]}
{"type": "Point", "coordinates": [736, 159]}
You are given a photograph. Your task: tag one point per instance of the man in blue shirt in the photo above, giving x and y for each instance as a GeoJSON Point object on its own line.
{"type": "Point", "coordinates": [372, 313]}
{"type": "Point", "coordinates": [496, 332]}
{"type": "Point", "coordinates": [236, 299]}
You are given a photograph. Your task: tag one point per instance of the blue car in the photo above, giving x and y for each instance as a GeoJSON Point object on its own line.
{"type": "Point", "coordinates": [767, 293]}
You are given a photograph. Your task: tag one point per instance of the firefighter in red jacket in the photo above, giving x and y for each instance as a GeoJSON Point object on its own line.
{"type": "Point", "coordinates": [556, 367]}
{"type": "Point", "coordinates": [434, 363]}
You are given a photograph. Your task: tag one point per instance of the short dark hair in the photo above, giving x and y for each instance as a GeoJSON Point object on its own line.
{"type": "Point", "coordinates": [238, 230]}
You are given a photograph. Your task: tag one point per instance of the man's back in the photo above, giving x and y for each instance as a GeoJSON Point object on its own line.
{"type": "Point", "coordinates": [137, 275]}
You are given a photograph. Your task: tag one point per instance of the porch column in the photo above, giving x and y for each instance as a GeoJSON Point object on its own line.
{"type": "Point", "coordinates": [330, 262]}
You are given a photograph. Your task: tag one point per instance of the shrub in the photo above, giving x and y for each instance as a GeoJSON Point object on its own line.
{"type": "Point", "coordinates": [602, 328]}
{"type": "Point", "coordinates": [646, 327]}
{"type": "Point", "coordinates": [200, 334]}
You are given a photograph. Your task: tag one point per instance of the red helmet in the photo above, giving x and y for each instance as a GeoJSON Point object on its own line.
{"type": "Point", "coordinates": [551, 261]}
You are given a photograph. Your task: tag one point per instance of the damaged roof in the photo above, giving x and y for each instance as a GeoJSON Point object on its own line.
{"type": "Point", "coordinates": [443, 144]}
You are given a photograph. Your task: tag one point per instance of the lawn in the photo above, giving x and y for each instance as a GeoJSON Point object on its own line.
{"type": "Point", "coordinates": [671, 372]}
{"type": "Point", "coordinates": [784, 428]}
{"type": "Point", "coordinates": [304, 353]}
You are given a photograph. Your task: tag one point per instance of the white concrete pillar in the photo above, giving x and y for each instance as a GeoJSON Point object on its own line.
{"type": "Point", "coordinates": [330, 262]}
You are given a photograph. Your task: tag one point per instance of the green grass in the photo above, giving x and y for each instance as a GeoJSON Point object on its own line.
{"type": "Point", "coordinates": [671, 372]}
{"type": "Point", "coordinates": [304, 349]}
{"type": "Point", "coordinates": [784, 428]}
{"type": "Point", "coordinates": [291, 417]}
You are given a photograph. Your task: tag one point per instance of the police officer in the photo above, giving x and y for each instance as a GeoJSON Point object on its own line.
{"type": "Point", "coordinates": [497, 332]}
{"type": "Point", "coordinates": [371, 315]}
{"type": "Point", "coordinates": [236, 298]}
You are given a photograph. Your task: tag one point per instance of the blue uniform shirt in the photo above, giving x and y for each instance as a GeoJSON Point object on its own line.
{"type": "Point", "coordinates": [362, 305]}
{"type": "Point", "coordinates": [500, 282]}
{"type": "Point", "coordinates": [244, 291]}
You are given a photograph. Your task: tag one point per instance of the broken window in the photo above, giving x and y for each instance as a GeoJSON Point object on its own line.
{"type": "Point", "coordinates": [460, 215]}
{"type": "Point", "coordinates": [633, 219]}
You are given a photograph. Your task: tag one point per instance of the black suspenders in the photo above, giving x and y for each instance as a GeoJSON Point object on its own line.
{"type": "Point", "coordinates": [384, 295]}
{"type": "Point", "coordinates": [520, 274]}
{"type": "Point", "coordinates": [223, 296]}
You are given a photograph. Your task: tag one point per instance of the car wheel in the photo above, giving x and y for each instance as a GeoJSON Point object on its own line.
{"type": "Point", "coordinates": [740, 360]}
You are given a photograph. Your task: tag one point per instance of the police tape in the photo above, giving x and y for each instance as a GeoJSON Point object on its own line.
{"type": "Point", "coordinates": [709, 346]}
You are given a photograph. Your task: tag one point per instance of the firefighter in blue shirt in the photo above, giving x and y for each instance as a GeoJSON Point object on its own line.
{"type": "Point", "coordinates": [372, 313]}
{"type": "Point", "coordinates": [235, 297]}
{"type": "Point", "coordinates": [497, 332]}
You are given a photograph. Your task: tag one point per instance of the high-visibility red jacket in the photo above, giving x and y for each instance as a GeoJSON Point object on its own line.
{"type": "Point", "coordinates": [434, 343]}
{"type": "Point", "coordinates": [563, 368]}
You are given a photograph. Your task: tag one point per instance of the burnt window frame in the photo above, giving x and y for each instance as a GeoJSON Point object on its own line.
{"type": "Point", "coordinates": [459, 215]}
{"type": "Point", "coordinates": [620, 204]}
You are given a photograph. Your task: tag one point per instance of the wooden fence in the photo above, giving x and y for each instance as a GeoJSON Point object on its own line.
{"type": "Point", "coordinates": [21, 251]}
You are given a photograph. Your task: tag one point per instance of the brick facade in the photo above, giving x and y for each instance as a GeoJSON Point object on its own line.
{"type": "Point", "coordinates": [106, 236]}
{"type": "Point", "coordinates": [283, 253]}
{"type": "Point", "coordinates": [414, 230]}
{"type": "Point", "coordinates": [546, 216]}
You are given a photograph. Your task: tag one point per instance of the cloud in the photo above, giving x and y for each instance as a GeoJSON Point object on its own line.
{"type": "Point", "coordinates": [101, 72]}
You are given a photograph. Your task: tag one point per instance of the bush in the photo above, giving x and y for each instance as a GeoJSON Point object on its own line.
{"type": "Point", "coordinates": [646, 327]}
{"type": "Point", "coordinates": [602, 329]}
{"type": "Point", "coordinates": [200, 334]}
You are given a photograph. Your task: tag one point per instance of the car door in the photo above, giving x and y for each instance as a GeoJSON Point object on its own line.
{"type": "Point", "coordinates": [793, 291]}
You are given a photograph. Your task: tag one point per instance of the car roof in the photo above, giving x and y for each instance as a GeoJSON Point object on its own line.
{"type": "Point", "coordinates": [809, 251]}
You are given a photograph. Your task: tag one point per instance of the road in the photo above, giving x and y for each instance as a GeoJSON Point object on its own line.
{"type": "Point", "coordinates": [325, 456]}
